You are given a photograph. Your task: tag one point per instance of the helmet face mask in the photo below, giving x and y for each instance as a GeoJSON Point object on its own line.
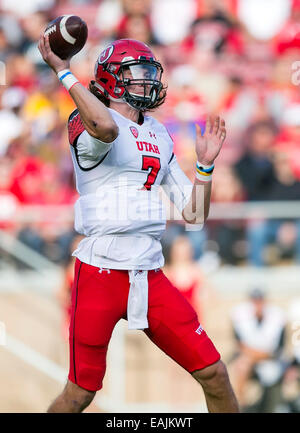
{"type": "Point", "coordinates": [142, 84]}
{"type": "Point", "coordinates": [128, 72]}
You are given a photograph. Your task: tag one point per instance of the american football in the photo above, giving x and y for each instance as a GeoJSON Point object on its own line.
{"type": "Point", "coordinates": [67, 35]}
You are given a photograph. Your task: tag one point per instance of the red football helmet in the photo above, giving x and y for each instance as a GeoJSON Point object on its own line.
{"type": "Point", "coordinates": [127, 65]}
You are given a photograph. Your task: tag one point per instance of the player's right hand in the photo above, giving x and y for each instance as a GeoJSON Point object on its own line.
{"type": "Point", "coordinates": [55, 62]}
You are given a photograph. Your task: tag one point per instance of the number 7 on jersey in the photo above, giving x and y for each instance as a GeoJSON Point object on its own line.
{"type": "Point", "coordinates": [152, 162]}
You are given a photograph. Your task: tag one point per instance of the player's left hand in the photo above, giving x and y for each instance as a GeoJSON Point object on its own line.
{"type": "Point", "coordinates": [209, 144]}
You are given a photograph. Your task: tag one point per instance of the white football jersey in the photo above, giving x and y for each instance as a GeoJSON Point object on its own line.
{"type": "Point", "coordinates": [120, 211]}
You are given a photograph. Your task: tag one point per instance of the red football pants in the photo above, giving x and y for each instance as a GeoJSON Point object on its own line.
{"type": "Point", "coordinates": [99, 301]}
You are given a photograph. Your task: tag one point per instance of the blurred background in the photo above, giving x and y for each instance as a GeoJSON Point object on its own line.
{"type": "Point", "coordinates": [235, 58]}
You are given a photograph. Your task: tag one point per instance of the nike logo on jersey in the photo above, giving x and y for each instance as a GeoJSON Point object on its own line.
{"type": "Point", "coordinates": [143, 145]}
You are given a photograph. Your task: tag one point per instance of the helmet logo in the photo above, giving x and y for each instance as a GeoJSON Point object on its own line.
{"type": "Point", "coordinates": [106, 54]}
{"type": "Point", "coordinates": [134, 131]}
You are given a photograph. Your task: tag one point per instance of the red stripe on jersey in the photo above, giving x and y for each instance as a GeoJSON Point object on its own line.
{"type": "Point", "coordinates": [75, 127]}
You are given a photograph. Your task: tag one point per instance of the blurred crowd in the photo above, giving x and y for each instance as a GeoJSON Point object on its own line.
{"type": "Point", "coordinates": [235, 58]}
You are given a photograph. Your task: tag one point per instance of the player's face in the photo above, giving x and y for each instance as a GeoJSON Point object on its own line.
{"type": "Point", "coordinates": [140, 72]}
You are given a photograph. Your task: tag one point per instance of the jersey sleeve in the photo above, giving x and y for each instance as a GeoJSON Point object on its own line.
{"type": "Point", "coordinates": [89, 150]}
{"type": "Point", "coordinates": [176, 184]}
{"type": "Point", "coordinates": [75, 127]}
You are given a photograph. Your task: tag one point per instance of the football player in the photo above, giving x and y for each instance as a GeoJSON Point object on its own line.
{"type": "Point", "coordinates": [121, 156]}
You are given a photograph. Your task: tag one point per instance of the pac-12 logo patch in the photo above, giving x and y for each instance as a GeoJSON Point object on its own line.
{"type": "Point", "coordinates": [134, 131]}
{"type": "Point", "coordinates": [105, 55]}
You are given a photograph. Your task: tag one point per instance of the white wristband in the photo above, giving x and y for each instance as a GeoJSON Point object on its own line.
{"type": "Point", "coordinates": [67, 78]}
{"type": "Point", "coordinates": [203, 178]}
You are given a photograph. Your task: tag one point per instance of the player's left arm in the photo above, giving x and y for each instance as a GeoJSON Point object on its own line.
{"type": "Point", "coordinates": [208, 147]}
{"type": "Point", "coordinates": [193, 199]}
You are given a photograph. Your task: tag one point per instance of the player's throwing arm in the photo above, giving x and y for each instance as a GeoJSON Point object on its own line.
{"type": "Point", "coordinates": [95, 116]}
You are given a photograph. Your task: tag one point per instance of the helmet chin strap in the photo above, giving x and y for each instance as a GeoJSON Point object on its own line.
{"type": "Point", "coordinates": [119, 100]}
{"type": "Point", "coordinates": [122, 100]}
{"type": "Point", "coordinates": [139, 102]}
{"type": "Point", "coordinates": [133, 108]}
